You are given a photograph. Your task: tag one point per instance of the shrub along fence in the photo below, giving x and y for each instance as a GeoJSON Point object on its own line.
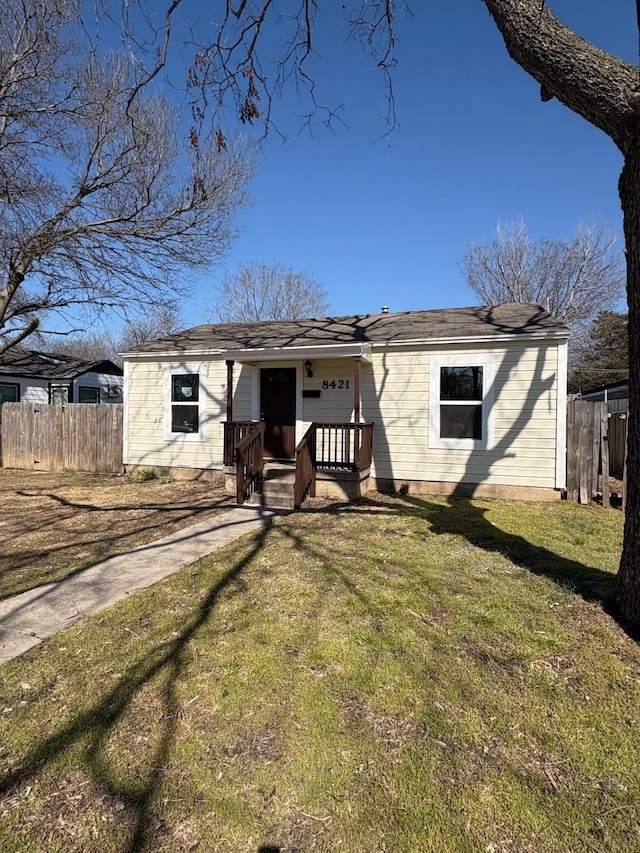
{"type": "Point", "coordinates": [596, 451]}
{"type": "Point", "coordinates": [82, 436]}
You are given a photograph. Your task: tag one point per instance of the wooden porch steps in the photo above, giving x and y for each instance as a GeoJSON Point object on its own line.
{"type": "Point", "coordinates": [276, 488]}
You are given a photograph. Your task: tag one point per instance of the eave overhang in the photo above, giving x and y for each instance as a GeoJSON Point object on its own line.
{"type": "Point", "coordinates": [348, 350]}
{"type": "Point", "coordinates": [258, 354]}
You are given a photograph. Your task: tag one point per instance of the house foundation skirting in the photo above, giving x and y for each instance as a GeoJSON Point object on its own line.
{"type": "Point", "coordinates": [211, 475]}
{"type": "Point", "coordinates": [464, 490]}
{"type": "Point", "coordinates": [348, 485]}
{"type": "Point", "coordinates": [342, 485]}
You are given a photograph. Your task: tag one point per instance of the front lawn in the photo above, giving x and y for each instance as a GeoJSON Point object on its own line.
{"type": "Point", "coordinates": [400, 675]}
{"type": "Point", "coordinates": [52, 525]}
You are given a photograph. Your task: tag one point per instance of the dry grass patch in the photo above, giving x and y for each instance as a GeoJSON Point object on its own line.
{"type": "Point", "coordinates": [52, 525]}
{"type": "Point", "coordinates": [400, 675]}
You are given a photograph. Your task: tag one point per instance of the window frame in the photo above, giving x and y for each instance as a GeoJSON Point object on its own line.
{"type": "Point", "coordinates": [487, 363]}
{"type": "Point", "coordinates": [176, 370]}
{"type": "Point", "coordinates": [16, 387]}
{"type": "Point", "coordinates": [94, 388]}
{"type": "Point", "coordinates": [53, 387]}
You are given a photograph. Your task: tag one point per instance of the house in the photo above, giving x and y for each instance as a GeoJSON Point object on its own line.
{"type": "Point", "coordinates": [616, 394]}
{"type": "Point", "coordinates": [457, 401]}
{"type": "Point", "coordinates": [27, 376]}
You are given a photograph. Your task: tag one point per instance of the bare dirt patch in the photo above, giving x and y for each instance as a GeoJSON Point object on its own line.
{"type": "Point", "coordinates": [52, 525]}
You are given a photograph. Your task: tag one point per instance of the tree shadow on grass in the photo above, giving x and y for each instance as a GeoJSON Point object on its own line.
{"type": "Point", "coordinates": [100, 545]}
{"type": "Point", "coordinates": [461, 516]}
{"type": "Point", "coordinates": [94, 726]}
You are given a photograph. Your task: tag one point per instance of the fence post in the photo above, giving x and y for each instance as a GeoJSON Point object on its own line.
{"type": "Point", "coordinates": [604, 420]}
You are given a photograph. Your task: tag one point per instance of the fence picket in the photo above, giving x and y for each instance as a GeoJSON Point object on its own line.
{"type": "Point", "coordinates": [596, 444]}
{"type": "Point", "coordinates": [86, 437]}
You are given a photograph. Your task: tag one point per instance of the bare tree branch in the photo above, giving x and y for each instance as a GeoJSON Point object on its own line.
{"type": "Point", "coordinates": [573, 280]}
{"type": "Point", "coordinates": [261, 292]}
{"type": "Point", "coordinates": [128, 207]}
{"type": "Point", "coordinates": [232, 65]}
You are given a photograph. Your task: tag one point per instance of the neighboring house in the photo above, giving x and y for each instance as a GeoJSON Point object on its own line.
{"type": "Point", "coordinates": [464, 401]}
{"type": "Point", "coordinates": [27, 376]}
{"type": "Point", "coordinates": [616, 394]}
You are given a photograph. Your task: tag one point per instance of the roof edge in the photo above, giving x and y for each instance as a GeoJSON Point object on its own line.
{"type": "Point", "coordinates": [346, 349]}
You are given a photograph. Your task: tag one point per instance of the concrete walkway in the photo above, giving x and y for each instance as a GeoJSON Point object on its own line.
{"type": "Point", "coordinates": [27, 619]}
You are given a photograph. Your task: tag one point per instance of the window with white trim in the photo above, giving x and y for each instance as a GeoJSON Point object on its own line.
{"type": "Point", "coordinates": [460, 404]}
{"type": "Point", "coordinates": [185, 408]}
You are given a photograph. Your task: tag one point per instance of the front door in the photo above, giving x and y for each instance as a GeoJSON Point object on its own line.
{"type": "Point", "coordinates": [278, 411]}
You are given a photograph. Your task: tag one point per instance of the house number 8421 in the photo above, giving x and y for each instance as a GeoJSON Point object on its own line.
{"type": "Point", "coordinates": [334, 383]}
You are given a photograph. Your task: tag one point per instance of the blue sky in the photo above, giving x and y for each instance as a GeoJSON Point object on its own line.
{"type": "Point", "coordinates": [385, 220]}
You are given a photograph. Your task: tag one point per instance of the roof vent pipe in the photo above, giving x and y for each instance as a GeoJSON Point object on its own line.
{"type": "Point", "coordinates": [385, 309]}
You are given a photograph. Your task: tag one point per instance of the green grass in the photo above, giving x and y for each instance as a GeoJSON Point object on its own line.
{"type": "Point", "coordinates": [399, 675]}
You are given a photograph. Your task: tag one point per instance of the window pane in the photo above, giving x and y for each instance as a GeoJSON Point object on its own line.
{"type": "Point", "coordinates": [184, 418]}
{"type": "Point", "coordinates": [184, 387]}
{"type": "Point", "coordinates": [59, 395]}
{"type": "Point", "coordinates": [461, 383]}
{"type": "Point", "coordinates": [281, 377]}
{"type": "Point", "coordinates": [88, 395]}
{"type": "Point", "coordinates": [461, 422]}
{"type": "Point", "coordinates": [8, 394]}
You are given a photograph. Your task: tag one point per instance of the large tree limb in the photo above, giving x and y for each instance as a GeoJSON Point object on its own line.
{"type": "Point", "coordinates": [591, 82]}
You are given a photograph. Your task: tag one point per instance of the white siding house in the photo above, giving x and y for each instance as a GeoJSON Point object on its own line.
{"type": "Point", "coordinates": [466, 400]}
{"type": "Point", "coordinates": [28, 376]}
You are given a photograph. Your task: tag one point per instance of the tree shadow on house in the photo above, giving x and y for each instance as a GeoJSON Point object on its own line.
{"type": "Point", "coordinates": [508, 458]}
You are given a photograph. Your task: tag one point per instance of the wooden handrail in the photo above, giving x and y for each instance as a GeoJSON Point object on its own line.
{"type": "Point", "coordinates": [306, 468]}
{"type": "Point", "coordinates": [249, 453]}
{"type": "Point", "coordinates": [336, 446]}
{"type": "Point", "coordinates": [344, 446]}
{"type": "Point", "coordinates": [363, 450]}
{"type": "Point", "coordinates": [235, 431]}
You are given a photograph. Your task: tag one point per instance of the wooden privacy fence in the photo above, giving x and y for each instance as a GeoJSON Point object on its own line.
{"type": "Point", "coordinates": [82, 436]}
{"type": "Point", "coordinates": [617, 443]}
{"type": "Point", "coordinates": [596, 451]}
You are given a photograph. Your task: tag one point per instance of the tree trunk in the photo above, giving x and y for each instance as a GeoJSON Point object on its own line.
{"type": "Point", "coordinates": [603, 90]}
{"type": "Point", "coordinates": [628, 582]}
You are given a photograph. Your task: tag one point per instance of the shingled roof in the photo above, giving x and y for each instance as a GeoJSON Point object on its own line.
{"type": "Point", "coordinates": [420, 326]}
{"type": "Point", "coordinates": [51, 366]}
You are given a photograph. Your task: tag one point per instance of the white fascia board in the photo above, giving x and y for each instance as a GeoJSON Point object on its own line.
{"type": "Point", "coordinates": [473, 339]}
{"type": "Point", "coordinates": [125, 413]}
{"type": "Point", "coordinates": [260, 353]}
{"type": "Point", "coordinates": [561, 417]}
{"type": "Point", "coordinates": [180, 354]}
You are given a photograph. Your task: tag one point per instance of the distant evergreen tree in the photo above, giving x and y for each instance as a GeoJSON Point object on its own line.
{"type": "Point", "coordinates": [603, 356]}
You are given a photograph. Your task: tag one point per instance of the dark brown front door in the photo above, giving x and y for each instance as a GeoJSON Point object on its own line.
{"type": "Point", "coordinates": [278, 411]}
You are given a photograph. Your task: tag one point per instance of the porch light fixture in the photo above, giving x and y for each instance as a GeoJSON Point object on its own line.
{"type": "Point", "coordinates": [309, 368]}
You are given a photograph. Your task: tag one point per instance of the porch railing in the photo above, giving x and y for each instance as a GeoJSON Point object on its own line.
{"type": "Point", "coordinates": [249, 462]}
{"type": "Point", "coordinates": [234, 432]}
{"type": "Point", "coordinates": [337, 447]}
{"type": "Point", "coordinates": [305, 481]}
{"type": "Point", "coordinates": [344, 446]}
{"type": "Point", "coordinates": [331, 446]}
